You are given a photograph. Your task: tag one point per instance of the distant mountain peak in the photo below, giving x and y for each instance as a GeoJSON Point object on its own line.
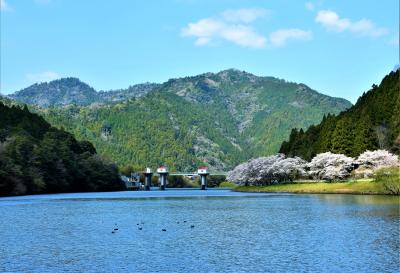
{"type": "Point", "coordinates": [65, 82]}
{"type": "Point", "coordinates": [73, 91]}
{"type": "Point", "coordinates": [59, 92]}
{"type": "Point", "coordinates": [234, 71]}
{"type": "Point", "coordinates": [233, 74]}
{"type": "Point", "coordinates": [68, 80]}
{"type": "Point", "coordinates": [231, 86]}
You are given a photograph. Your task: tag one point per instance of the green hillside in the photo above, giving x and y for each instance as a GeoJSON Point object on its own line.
{"type": "Point", "coordinates": [38, 158]}
{"type": "Point", "coordinates": [372, 123]}
{"type": "Point", "coordinates": [217, 119]}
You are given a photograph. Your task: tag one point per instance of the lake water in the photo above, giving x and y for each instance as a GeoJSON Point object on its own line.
{"type": "Point", "coordinates": [233, 232]}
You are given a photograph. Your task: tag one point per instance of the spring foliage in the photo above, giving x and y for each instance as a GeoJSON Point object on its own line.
{"type": "Point", "coordinates": [325, 166]}
{"type": "Point", "coordinates": [329, 166]}
{"type": "Point", "coordinates": [267, 170]}
{"type": "Point", "coordinates": [377, 159]}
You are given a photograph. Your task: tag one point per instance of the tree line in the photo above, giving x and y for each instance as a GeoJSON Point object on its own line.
{"type": "Point", "coordinates": [38, 158]}
{"type": "Point", "coordinates": [372, 123]}
{"type": "Point", "coordinates": [327, 166]}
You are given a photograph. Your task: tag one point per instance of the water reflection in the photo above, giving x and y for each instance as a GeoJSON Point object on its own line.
{"type": "Point", "coordinates": [232, 232]}
{"type": "Point", "coordinates": [361, 199]}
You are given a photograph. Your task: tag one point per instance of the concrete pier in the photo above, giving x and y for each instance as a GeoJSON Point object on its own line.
{"type": "Point", "coordinates": [163, 173]}
{"type": "Point", "coordinates": [203, 172]}
{"type": "Point", "coordinates": [147, 178]}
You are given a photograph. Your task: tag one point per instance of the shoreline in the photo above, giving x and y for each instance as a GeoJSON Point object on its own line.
{"type": "Point", "coordinates": [360, 187]}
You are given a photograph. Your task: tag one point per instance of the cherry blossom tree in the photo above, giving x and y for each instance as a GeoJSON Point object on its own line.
{"type": "Point", "coordinates": [325, 166]}
{"type": "Point", "coordinates": [330, 166]}
{"type": "Point", "coordinates": [377, 159]}
{"type": "Point", "coordinates": [268, 170]}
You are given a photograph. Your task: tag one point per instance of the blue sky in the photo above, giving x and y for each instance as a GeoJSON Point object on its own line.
{"type": "Point", "coordinates": [339, 48]}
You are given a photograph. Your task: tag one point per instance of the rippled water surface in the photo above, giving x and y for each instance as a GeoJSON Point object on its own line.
{"type": "Point", "coordinates": [233, 232]}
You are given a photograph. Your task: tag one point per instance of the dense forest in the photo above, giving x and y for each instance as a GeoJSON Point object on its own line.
{"type": "Point", "coordinates": [372, 123]}
{"type": "Point", "coordinates": [38, 158]}
{"type": "Point", "coordinates": [213, 119]}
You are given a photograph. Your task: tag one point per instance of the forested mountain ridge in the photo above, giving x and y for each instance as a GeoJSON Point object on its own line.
{"type": "Point", "coordinates": [372, 123]}
{"type": "Point", "coordinates": [60, 92]}
{"type": "Point", "coordinates": [217, 119]}
{"type": "Point", "coordinates": [132, 91]}
{"type": "Point", "coordinates": [263, 109]}
{"type": "Point", "coordinates": [38, 158]}
{"type": "Point", "coordinates": [72, 91]}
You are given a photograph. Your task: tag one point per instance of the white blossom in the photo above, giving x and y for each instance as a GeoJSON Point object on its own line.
{"type": "Point", "coordinates": [267, 170]}
{"type": "Point", "coordinates": [377, 159]}
{"type": "Point", "coordinates": [324, 166]}
{"type": "Point", "coordinates": [329, 166]}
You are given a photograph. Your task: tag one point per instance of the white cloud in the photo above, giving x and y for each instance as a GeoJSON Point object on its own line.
{"type": "Point", "coordinates": [309, 6]}
{"type": "Point", "coordinates": [364, 27]}
{"type": "Point", "coordinates": [4, 6]}
{"type": "Point", "coordinates": [235, 26]}
{"type": "Point", "coordinates": [280, 37]}
{"type": "Point", "coordinates": [244, 15]}
{"type": "Point", "coordinates": [204, 28]}
{"type": "Point", "coordinates": [244, 36]}
{"type": "Point", "coordinates": [209, 30]}
{"type": "Point", "coordinates": [42, 76]}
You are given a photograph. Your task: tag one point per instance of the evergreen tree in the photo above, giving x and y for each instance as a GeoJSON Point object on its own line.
{"type": "Point", "coordinates": [37, 158]}
{"type": "Point", "coordinates": [373, 122]}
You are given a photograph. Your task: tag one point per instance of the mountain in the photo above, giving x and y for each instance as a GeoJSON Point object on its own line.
{"type": "Point", "coordinates": [372, 123]}
{"type": "Point", "coordinates": [217, 119]}
{"type": "Point", "coordinates": [38, 158]}
{"type": "Point", "coordinates": [72, 91]}
{"type": "Point", "coordinates": [132, 91]}
{"type": "Point", "coordinates": [262, 109]}
{"type": "Point", "coordinates": [57, 93]}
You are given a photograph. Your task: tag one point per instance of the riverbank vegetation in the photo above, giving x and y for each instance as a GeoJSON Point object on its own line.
{"type": "Point", "coordinates": [361, 186]}
{"type": "Point", "coordinates": [352, 187]}
{"type": "Point", "coordinates": [330, 173]}
{"type": "Point", "coordinates": [38, 158]}
{"type": "Point", "coordinates": [227, 184]}
{"type": "Point", "coordinates": [339, 150]}
{"type": "Point", "coordinates": [390, 179]}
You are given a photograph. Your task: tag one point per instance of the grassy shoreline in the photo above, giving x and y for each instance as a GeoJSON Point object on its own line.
{"type": "Point", "coordinates": [365, 186]}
